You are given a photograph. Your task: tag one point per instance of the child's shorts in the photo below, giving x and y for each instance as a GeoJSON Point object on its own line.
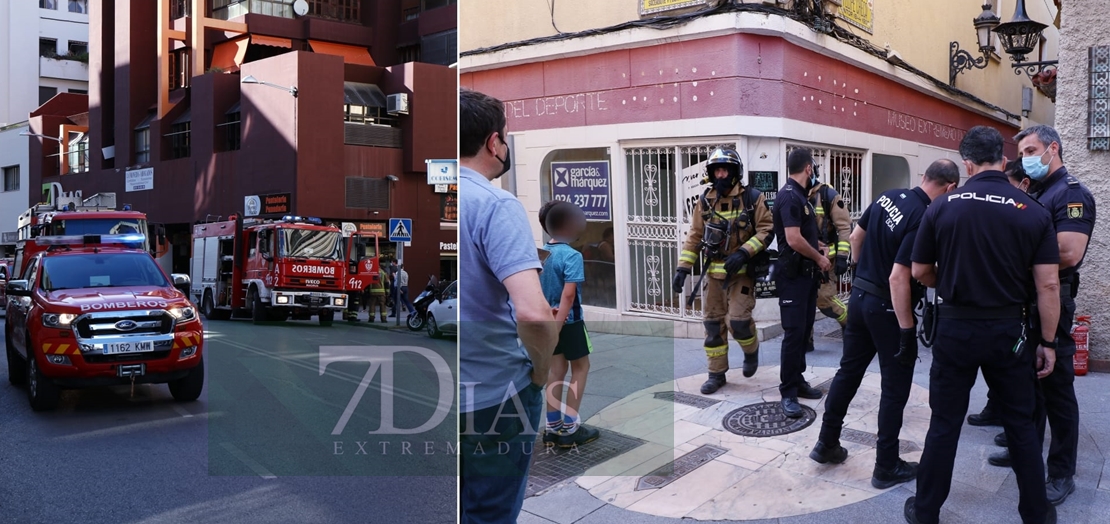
{"type": "Point", "coordinates": [574, 342]}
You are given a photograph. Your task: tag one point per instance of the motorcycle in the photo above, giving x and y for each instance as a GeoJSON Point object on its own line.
{"type": "Point", "coordinates": [419, 316]}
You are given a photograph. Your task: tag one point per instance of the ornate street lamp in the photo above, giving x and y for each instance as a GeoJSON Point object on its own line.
{"type": "Point", "coordinates": [960, 60]}
{"type": "Point", "coordinates": [1019, 37]}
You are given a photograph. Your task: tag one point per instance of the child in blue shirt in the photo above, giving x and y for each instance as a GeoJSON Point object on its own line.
{"type": "Point", "coordinates": [563, 272]}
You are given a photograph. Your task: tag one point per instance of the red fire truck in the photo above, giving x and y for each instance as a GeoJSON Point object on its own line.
{"type": "Point", "coordinates": [363, 260]}
{"type": "Point", "coordinates": [269, 269]}
{"type": "Point", "coordinates": [93, 310]}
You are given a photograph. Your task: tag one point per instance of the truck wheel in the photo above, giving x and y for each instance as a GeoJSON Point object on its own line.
{"type": "Point", "coordinates": [208, 308]}
{"type": "Point", "coordinates": [258, 310]}
{"type": "Point", "coordinates": [187, 388]}
{"type": "Point", "coordinates": [42, 393]}
{"type": "Point", "coordinates": [17, 368]}
{"type": "Point", "coordinates": [416, 322]}
{"type": "Point", "coordinates": [433, 327]}
{"type": "Point", "coordinates": [327, 316]}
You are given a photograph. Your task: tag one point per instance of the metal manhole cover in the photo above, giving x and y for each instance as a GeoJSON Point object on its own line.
{"type": "Point", "coordinates": [678, 468]}
{"type": "Point", "coordinates": [766, 419]}
{"type": "Point", "coordinates": [872, 440]}
{"type": "Point", "coordinates": [550, 466]}
{"type": "Point", "coordinates": [687, 399]}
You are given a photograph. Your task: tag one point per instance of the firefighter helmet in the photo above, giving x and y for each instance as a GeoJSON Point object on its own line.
{"type": "Point", "coordinates": [729, 159]}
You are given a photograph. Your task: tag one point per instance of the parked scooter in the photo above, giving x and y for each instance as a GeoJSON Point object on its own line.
{"type": "Point", "coordinates": [419, 316]}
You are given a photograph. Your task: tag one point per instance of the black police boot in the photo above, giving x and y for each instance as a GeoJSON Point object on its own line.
{"type": "Point", "coordinates": [884, 478]}
{"type": "Point", "coordinates": [987, 417]}
{"type": "Point", "coordinates": [751, 363]}
{"type": "Point", "coordinates": [716, 380]}
{"type": "Point", "coordinates": [1050, 517]}
{"type": "Point", "coordinates": [910, 512]}
{"type": "Point", "coordinates": [1000, 459]}
{"type": "Point", "coordinates": [1058, 490]}
{"type": "Point", "coordinates": [1000, 440]}
{"type": "Point", "coordinates": [808, 391]}
{"type": "Point", "coordinates": [791, 408]}
{"type": "Point", "coordinates": [823, 454]}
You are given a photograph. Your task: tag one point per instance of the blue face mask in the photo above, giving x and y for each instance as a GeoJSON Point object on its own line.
{"type": "Point", "coordinates": [1034, 167]}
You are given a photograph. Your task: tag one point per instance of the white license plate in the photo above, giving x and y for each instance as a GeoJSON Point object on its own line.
{"type": "Point", "coordinates": [128, 347]}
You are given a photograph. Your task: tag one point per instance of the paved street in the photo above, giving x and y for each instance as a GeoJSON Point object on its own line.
{"type": "Point", "coordinates": [258, 446]}
{"type": "Point", "coordinates": [764, 476]}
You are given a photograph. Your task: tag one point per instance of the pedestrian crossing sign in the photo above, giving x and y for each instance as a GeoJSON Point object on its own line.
{"type": "Point", "coordinates": [400, 230]}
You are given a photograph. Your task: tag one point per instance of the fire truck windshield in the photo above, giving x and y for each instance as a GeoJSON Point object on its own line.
{"type": "Point", "coordinates": [95, 270]}
{"type": "Point", "coordinates": [102, 226]}
{"type": "Point", "coordinates": [309, 243]}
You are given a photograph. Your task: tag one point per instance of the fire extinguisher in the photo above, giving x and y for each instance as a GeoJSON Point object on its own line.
{"type": "Point", "coordinates": [1079, 334]}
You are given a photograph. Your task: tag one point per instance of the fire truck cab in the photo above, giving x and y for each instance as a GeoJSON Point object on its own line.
{"type": "Point", "coordinates": [93, 310]}
{"type": "Point", "coordinates": [271, 270]}
{"type": "Point", "coordinates": [362, 254]}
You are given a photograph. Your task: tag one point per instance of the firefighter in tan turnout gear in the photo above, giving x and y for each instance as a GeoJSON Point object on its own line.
{"type": "Point", "coordinates": [731, 225]}
{"type": "Point", "coordinates": [833, 227]}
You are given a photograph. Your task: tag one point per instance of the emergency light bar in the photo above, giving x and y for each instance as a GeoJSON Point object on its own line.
{"type": "Point", "coordinates": [310, 220]}
{"type": "Point", "coordinates": [72, 240]}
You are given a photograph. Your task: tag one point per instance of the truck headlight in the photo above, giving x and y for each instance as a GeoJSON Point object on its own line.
{"type": "Point", "coordinates": [58, 320]}
{"type": "Point", "coordinates": [282, 299]}
{"type": "Point", "coordinates": [341, 302]}
{"type": "Point", "coordinates": [184, 313]}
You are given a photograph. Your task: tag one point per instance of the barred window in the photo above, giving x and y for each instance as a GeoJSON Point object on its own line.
{"type": "Point", "coordinates": [346, 10]}
{"type": "Point", "coordinates": [179, 140]}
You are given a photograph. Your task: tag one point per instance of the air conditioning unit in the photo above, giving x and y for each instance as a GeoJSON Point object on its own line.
{"type": "Point", "coordinates": [397, 104]}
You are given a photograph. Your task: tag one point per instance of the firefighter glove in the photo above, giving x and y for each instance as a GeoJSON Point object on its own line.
{"type": "Point", "coordinates": [679, 281]}
{"type": "Point", "coordinates": [841, 265]}
{"type": "Point", "coordinates": [735, 262]}
{"type": "Point", "coordinates": [907, 346]}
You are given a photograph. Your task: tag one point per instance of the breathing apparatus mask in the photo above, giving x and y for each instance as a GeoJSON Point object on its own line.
{"type": "Point", "coordinates": [814, 178]}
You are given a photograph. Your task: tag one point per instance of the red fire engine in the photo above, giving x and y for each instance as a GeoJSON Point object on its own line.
{"type": "Point", "coordinates": [363, 259]}
{"type": "Point", "coordinates": [273, 270]}
{"type": "Point", "coordinates": [93, 310]}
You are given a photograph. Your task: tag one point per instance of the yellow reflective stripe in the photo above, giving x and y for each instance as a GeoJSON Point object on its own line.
{"type": "Point", "coordinates": [688, 256]}
{"type": "Point", "coordinates": [754, 244]}
{"type": "Point", "coordinates": [843, 246]}
{"type": "Point", "coordinates": [729, 214]}
{"type": "Point", "coordinates": [747, 341]}
{"type": "Point", "coordinates": [716, 351]}
{"type": "Point", "coordinates": [820, 210]}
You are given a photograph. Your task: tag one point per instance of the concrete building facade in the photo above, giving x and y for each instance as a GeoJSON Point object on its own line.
{"type": "Point", "coordinates": [642, 102]}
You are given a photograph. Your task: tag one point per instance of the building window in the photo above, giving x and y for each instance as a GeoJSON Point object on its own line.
{"type": "Point", "coordinates": [11, 178]}
{"type": "Point", "coordinates": [234, 128]}
{"type": "Point", "coordinates": [46, 93]}
{"type": "Point", "coordinates": [180, 69]}
{"type": "Point", "coordinates": [79, 153]}
{"type": "Point", "coordinates": [142, 140]}
{"type": "Point", "coordinates": [79, 6]}
{"type": "Point", "coordinates": [409, 53]}
{"type": "Point", "coordinates": [179, 9]}
{"type": "Point", "coordinates": [48, 4]}
{"type": "Point", "coordinates": [179, 140]}
{"type": "Point", "coordinates": [346, 10]}
{"type": "Point", "coordinates": [48, 47]}
{"type": "Point", "coordinates": [228, 9]}
{"type": "Point", "coordinates": [78, 48]}
{"type": "Point", "coordinates": [440, 48]}
{"type": "Point", "coordinates": [367, 193]}
{"type": "Point", "coordinates": [1099, 117]}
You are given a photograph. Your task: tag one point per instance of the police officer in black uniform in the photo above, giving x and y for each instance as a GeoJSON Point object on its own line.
{"type": "Point", "coordinates": [881, 321]}
{"type": "Point", "coordinates": [984, 248]}
{"type": "Point", "coordinates": [800, 266]}
{"type": "Point", "coordinates": [1073, 214]}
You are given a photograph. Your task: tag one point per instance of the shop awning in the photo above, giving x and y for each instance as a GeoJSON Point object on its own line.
{"type": "Point", "coordinates": [272, 41]}
{"type": "Point", "coordinates": [359, 94]}
{"type": "Point", "coordinates": [350, 53]}
{"type": "Point", "coordinates": [228, 55]}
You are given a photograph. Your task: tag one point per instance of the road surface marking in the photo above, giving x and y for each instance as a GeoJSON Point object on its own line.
{"type": "Point", "coordinates": [237, 453]}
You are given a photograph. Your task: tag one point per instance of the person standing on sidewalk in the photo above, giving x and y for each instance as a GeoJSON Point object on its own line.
{"type": "Point", "coordinates": [377, 295]}
{"type": "Point", "coordinates": [800, 267]}
{"type": "Point", "coordinates": [1073, 215]}
{"type": "Point", "coordinates": [985, 249]}
{"type": "Point", "coordinates": [403, 288]}
{"type": "Point", "coordinates": [507, 332]}
{"type": "Point", "coordinates": [731, 224]}
{"type": "Point", "coordinates": [834, 225]}
{"type": "Point", "coordinates": [881, 321]}
{"type": "Point", "coordinates": [563, 273]}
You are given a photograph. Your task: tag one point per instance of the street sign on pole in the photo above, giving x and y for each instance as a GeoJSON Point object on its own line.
{"type": "Point", "coordinates": [397, 288]}
{"type": "Point", "coordinates": [400, 230]}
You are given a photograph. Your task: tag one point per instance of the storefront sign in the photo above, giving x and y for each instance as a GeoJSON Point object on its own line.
{"type": "Point", "coordinates": [767, 182]}
{"type": "Point", "coordinates": [449, 207]}
{"type": "Point", "coordinates": [858, 13]}
{"type": "Point", "coordinates": [139, 179]}
{"type": "Point", "coordinates": [372, 228]}
{"type": "Point", "coordinates": [276, 203]}
{"type": "Point", "coordinates": [584, 184]}
{"type": "Point", "coordinates": [924, 127]}
{"type": "Point", "coordinates": [693, 185]}
{"type": "Point", "coordinates": [648, 7]}
{"type": "Point", "coordinates": [447, 188]}
{"type": "Point", "coordinates": [442, 172]}
{"type": "Point", "coordinates": [448, 246]}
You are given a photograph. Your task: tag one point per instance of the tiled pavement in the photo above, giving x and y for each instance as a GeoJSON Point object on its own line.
{"type": "Point", "coordinates": [627, 372]}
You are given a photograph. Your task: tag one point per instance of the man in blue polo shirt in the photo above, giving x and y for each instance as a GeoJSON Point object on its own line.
{"type": "Point", "coordinates": [508, 331]}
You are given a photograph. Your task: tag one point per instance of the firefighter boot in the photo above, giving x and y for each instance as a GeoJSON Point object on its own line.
{"type": "Point", "coordinates": [716, 380]}
{"type": "Point", "coordinates": [751, 363]}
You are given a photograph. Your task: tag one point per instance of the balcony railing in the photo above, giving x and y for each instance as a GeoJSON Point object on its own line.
{"type": "Point", "coordinates": [371, 135]}
{"type": "Point", "coordinates": [228, 9]}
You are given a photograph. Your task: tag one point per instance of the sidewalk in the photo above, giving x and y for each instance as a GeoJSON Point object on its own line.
{"type": "Point", "coordinates": [722, 477]}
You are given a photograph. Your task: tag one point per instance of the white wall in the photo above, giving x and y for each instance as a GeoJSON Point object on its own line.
{"type": "Point", "coordinates": [22, 23]}
{"type": "Point", "coordinates": [13, 151]}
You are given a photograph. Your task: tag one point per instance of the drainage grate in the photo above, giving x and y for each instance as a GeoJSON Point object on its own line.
{"type": "Point", "coordinates": [766, 419]}
{"type": "Point", "coordinates": [687, 399]}
{"type": "Point", "coordinates": [872, 440]}
{"type": "Point", "coordinates": [679, 467]}
{"type": "Point", "coordinates": [554, 465]}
